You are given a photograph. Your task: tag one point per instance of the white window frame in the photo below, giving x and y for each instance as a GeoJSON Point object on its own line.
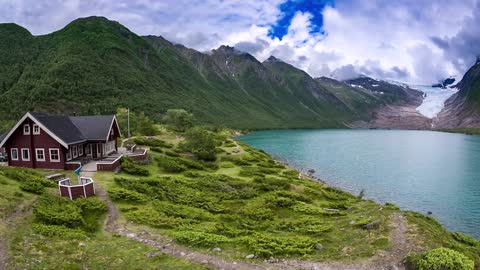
{"type": "Point", "coordinates": [36, 129]}
{"type": "Point", "coordinates": [16, 154]}
{"type": "Point", "coordinates": [50, 153]}
{"type": "Point", "coordinates": [69, 154]}
{"type": "Point", "coordinates": [26, 129]}
{"type": "Point", "coordinates": [74, 152]}
{"type": "Point", "coordinates": [43, 154]}
{"type": "Point", "coordinates": [28, 151]}
{"type": "Point", "coordinates": [80, 150]}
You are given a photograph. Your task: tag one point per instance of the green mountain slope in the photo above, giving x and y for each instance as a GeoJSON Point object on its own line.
{"type": "Point", "coordinates": [94, 66]}
{"type": "Point", "coordinates": [462, 110]}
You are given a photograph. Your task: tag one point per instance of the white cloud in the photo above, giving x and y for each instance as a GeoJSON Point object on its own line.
{"type": "Point", "coordinates": [409, 40]}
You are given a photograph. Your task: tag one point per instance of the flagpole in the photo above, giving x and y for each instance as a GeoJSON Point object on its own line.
{"type": "Point", "coordinates": [128, 121]}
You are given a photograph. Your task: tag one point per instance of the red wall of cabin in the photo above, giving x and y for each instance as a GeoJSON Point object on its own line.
{"type": "Point", "coordinates": [42, 140]}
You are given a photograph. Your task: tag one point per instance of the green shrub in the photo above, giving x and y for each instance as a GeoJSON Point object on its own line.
{"type": "Point", "coordinates": [264, 245]}
{"type": "Point", "coordinates": [186, 212]}
{"type": "Point", "coordinates": [31, 180]}
{"type": "Point", "coordinates": [237, 160]}
{"type": "Point", "coordinates": [200, 239]}
{"type": "Point", "coordinates": [201, 143]}
{"type": "Point", "coordinates": [58, 231]}
{"type": "Point", "coordinates": [152, 142]}
{"type": "Point", "coordinates": [54, 210]}
{"type": "Point", "coordinates": [171, 153]}
{"type": "Point", "coordinates": [121, 194]}
{"type": "Point", "coordinates": [153, 218]}
{"type": "Point", "coordinates": [440, 259]}
{"type": "Point", "coordinates": [466, 239]}
{"type": "Point", "coordinates": [291, 173]}
{"type": "Point", "coordinates": [32, 186]}
{"type": "Point", "coordinates": [156, 149]}
{"type": "Point", "coordinates": [391, 206]}
{"type": "Point", "coordinates": [271, 184]}
{"type": "Point", "coordinates": [171, 165]}
{"type": "Point", "coordinates": [257, 212]}
{"type": "Point", "coordinates": [130, 167]}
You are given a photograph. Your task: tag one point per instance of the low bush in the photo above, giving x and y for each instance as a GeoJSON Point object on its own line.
{"type": "Point", "coordinates": [152, 142]}
{"type": "Point", "coordinates": [156, 149]}
{"type": "Point", "coordinates": [257, 212]}
{"type": "Point", "coordinates": [171, 153]}
{"type": "Point", "coordinates": [153, 218]}
{"type": "Point", "coordinates": [440, 259]}
{"type": "Point", "coordinates": [271, 184]}
{"type": "Point", "coordinates": [130, 167]}
{"type": "Point", "coordinates": [186, 212]}
{"type": "Point", "coordinates": [81, 213]}
{"type": "Point", "coordinates": [53, 210]}
{"type": "Point", "coordinates": [237, 160]}
{"type": "Point", "coordinates": [121, 194]}
{"type": "Point", "coordinates": [465, 239]}
{"type": "Point", "coordinates": [32, 186]}
{"type": "Point", "coordinates": [171, 165]}
{"type": "Point", "coordinates": [178, 164]}
{"type": "Point", "coordinates": [58, 231]}
{"type": "Point", "coordinates": [31, 180]}
{"type": "Point", "coordinates": [200, 239]}
{"type": "Point", "coordinates": [391, 206]}
{"type": "Point", "coordinates": [264, 245]}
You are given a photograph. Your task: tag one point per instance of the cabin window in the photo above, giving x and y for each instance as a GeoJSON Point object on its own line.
{"type": "Point", "coordinates": [54, 155]}
{"type": "Point", "coordinates": [26, 129]}
{"type": "Point", "coordinates": [14, 153]}
{"type": "Point", "coordinates": [25, 154]}
{"type": "Point", "coordinates": [69, 154]}
{"type": "Point", "coordinates": [80, 150]}
{"type": "Point", "coordinates": [36, 129]}
{"type": "Point", "coordinates": [74, 152]}
{"type": "Point", "coordinates": [40, 154]}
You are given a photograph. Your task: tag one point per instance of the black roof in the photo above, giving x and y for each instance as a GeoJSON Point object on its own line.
{"type": "Point", "coordinates": [75, 129]}
{"type": "Point", "coordinates": [94, 127]}
{"type": "Point", "coordinates": [61, 126]}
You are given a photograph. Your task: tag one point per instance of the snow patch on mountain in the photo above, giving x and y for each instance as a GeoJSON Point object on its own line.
{"type": "Point", "coordinates": [434, 100]}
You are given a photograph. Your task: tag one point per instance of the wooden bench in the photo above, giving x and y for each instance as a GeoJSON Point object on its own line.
{"type": "Point", "coordinates": [56, 177]}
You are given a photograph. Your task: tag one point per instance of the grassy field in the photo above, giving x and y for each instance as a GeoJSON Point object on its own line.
{"type": "Point", "coordinates": [244, 203]}
{"type": "Point", "coordinates": [31, 247]}
{"type": "Point", "coordinates": [247, 203]}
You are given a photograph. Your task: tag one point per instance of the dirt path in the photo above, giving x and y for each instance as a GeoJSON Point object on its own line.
{"type": "Point", "coordinates": [389, 259]}
{"type": "Point", "coordinates": [8, 223]}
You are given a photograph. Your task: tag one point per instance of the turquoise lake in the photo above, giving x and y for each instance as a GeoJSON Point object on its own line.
{"type": "Point", "coordinates": [424, 171]}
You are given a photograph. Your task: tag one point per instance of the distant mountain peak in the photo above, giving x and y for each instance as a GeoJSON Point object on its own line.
{"type": "Point", "coordinates": [225, 49]}
{"type": "Point", "coordinates": [273, 59]}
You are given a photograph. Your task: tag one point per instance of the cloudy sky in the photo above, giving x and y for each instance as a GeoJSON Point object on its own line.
{"type": "Point", "coordinates": [417, 41]}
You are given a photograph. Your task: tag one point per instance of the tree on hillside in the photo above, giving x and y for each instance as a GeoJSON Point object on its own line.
{"type": "Point", "coordinates": [201, 143]}
{"type": "Point", "coordinates": [179, 119]}
{"type": "Point", "coordinates": [145, 125]}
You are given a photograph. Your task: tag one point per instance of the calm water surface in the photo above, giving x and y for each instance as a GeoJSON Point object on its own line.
{"type": "Point", "coordinates": [417, 170]}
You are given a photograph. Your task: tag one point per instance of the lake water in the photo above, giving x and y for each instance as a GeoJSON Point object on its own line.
{"type": "Point", "coordinates": [416, 170]}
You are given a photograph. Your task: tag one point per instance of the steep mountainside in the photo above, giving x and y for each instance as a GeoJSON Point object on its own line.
{"type": "Point", "coordinates": [397, 108]}
{"type": "Point", "coordinates": [94, 65]}
{"type": "Point", "coordinates": [462, 110]}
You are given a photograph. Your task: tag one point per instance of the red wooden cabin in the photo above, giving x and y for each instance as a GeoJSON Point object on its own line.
{"type": "Point", "coordinates": [41, 140]}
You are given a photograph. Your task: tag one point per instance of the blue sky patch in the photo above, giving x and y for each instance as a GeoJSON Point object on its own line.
{"type": "Point", "coordinates": [291, 7]}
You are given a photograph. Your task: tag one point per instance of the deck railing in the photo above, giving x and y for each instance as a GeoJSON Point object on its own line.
{"type": "Point", "coordinates": [83, 189]}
